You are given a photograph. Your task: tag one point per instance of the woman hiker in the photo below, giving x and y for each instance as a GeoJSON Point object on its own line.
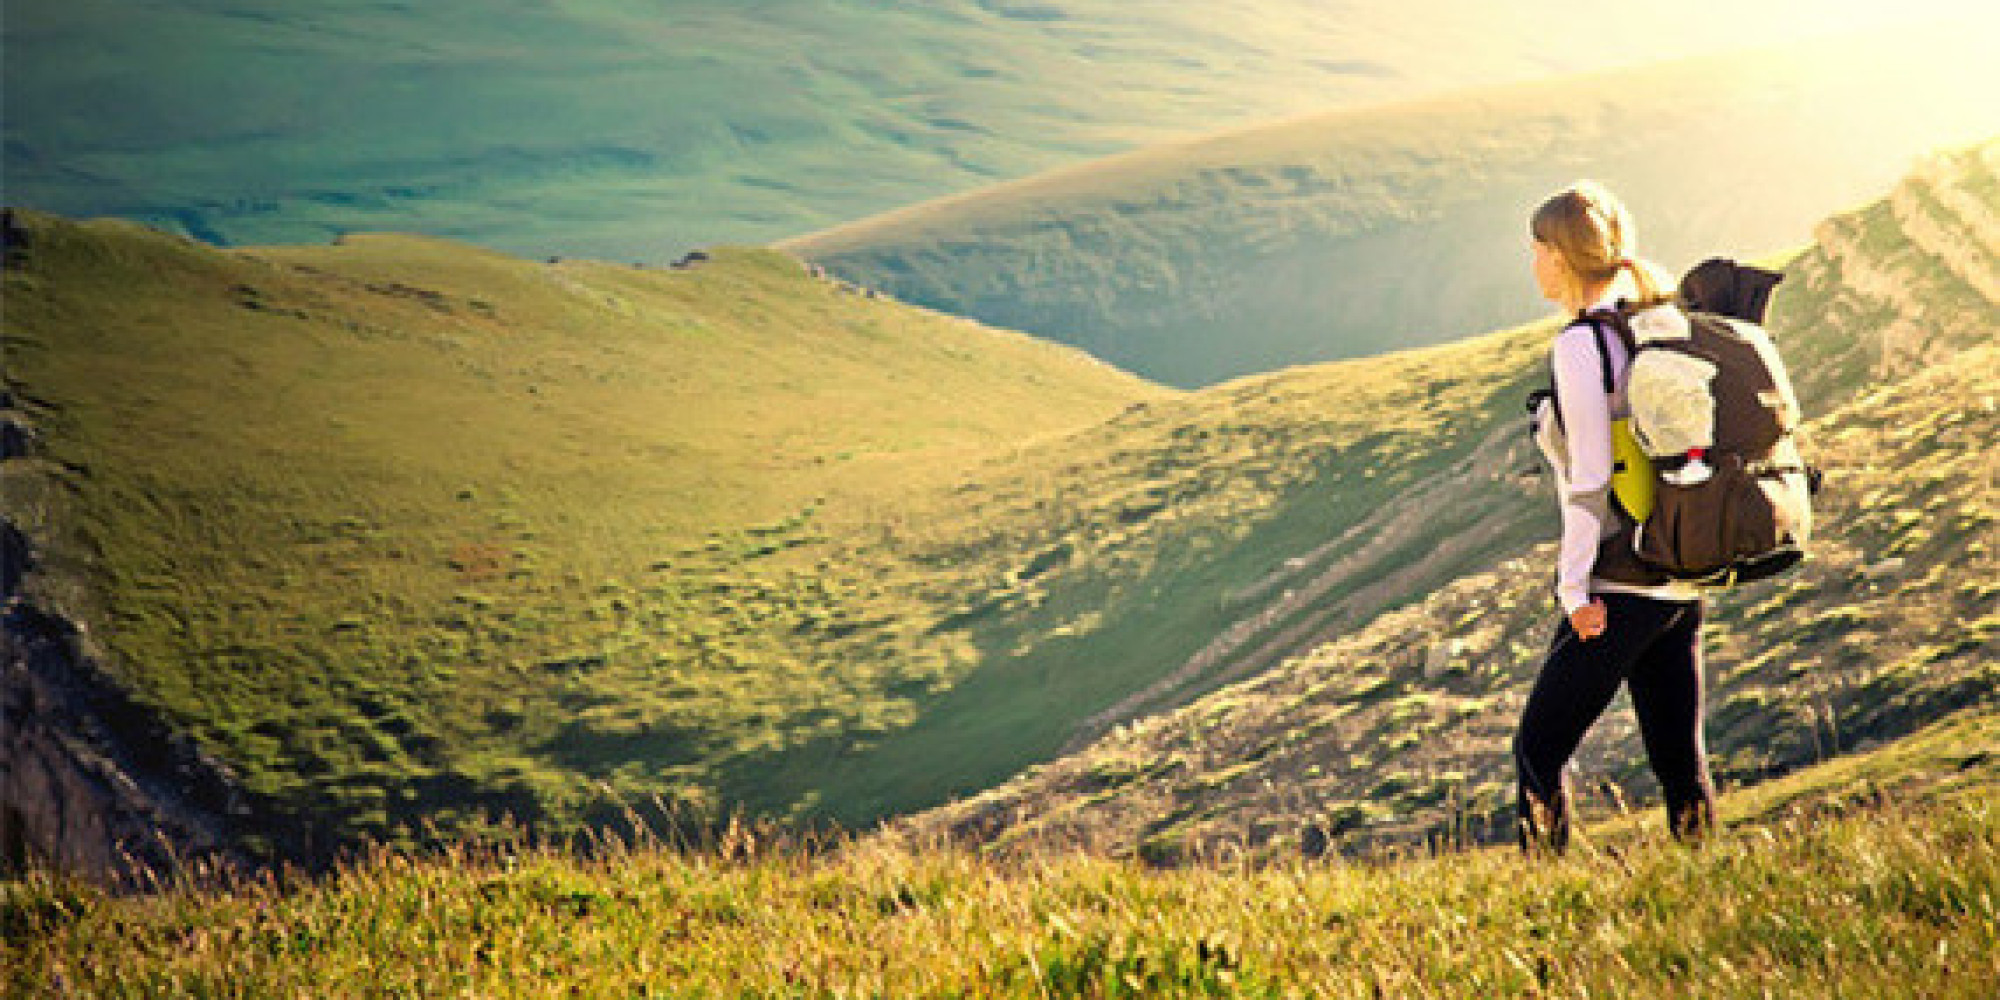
{"type": "Point", "coordinates": [1622, 623]}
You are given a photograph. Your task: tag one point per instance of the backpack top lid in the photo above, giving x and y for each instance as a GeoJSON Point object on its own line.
{"type": "Point", "coordinates": [1723, 287]}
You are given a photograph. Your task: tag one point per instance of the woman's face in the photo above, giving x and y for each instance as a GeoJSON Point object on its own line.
{"type": "Point", "coordinates": [1551, 276]}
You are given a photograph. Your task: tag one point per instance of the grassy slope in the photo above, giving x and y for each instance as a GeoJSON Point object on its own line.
{"type": "Point", "coordinates": [1399, 729]}
{"type": "Point", "coordinates": [1891, 898]}
{"type": "Point", "coordinates": [930, 628]}
{"type": "Point", "coordinates": [397, 525]}
{"type": "Point", "coordinates": [475, 594]}
{"type": "Point", "coordinates": [1102, 566]}
{"type": "Point", "coordinates": [1289, 243]}
{"type": "Point", "coordinates": [625, 130]}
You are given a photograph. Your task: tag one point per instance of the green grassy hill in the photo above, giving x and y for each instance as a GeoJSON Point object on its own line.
{"type": "Point", "coordinates": [1398, 730]}
{"type": "Point", "coordinates": [1369, 229]}
{"type": "Point", "coordinates": [403, 529]}
{"type": "Point", "coordinates": [631, 131]}
{"type": "Point", "coordinates": [1886, 897]}
{"type": "Point", "coordinates": [405, 532]}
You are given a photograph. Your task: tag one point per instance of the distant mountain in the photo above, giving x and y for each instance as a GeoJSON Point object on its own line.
{"type": "Point", "coordinates": [632, 131]}
{"type": "Point", "coordinates": [1398, 730]}
{"type": "Point", "coordinates": [1368, 229]}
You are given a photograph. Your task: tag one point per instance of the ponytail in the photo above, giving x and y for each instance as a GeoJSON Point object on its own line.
{"type": "Point", "coordinates": [1654, 284]}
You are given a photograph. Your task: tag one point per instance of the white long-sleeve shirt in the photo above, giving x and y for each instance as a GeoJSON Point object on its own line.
{"type": "Point", "coordinates": [1579, 451]}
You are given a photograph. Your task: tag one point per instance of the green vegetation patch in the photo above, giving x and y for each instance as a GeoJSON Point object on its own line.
{"type": "Point", "coordinates": [409, 533]}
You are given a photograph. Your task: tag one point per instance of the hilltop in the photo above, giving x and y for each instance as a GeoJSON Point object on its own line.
{"type": "Point", "coordinates": [1368, 229]}
{"type": "Point", "coordinates": [627, 131]}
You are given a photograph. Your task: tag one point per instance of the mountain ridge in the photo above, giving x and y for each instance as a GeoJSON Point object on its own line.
{"type": "Point", "coordinates": [1285, 244]}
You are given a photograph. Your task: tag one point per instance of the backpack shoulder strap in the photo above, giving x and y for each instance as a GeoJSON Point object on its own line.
{"type": "Point", "coordinates": [1599, 321]}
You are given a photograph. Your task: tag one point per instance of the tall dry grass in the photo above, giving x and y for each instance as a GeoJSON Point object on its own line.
{"type": "Point", "coordinates": [1895, 900]}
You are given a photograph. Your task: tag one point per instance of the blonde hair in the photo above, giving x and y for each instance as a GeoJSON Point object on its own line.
{"type": "Point", "coordinates": [1590, 228]}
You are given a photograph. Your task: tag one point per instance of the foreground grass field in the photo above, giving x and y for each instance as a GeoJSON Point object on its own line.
{"type": "Point", "coordinates": [1828, 883]}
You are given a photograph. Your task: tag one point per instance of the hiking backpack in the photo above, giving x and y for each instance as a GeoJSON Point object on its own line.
{"type": "Point", "coordinates": [1714, 415]}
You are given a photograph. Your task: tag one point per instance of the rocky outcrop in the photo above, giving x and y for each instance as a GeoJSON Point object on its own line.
{"type": "Point", "coordinates": [90, 781]}
{"type": "Point", "coordinates": [1916, 273]}
{"type": "Point", "coordinates": [1942, 210]}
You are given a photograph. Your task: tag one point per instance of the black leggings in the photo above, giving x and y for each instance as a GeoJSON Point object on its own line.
{"type": "Point", "coordinates": [1654, 648]}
